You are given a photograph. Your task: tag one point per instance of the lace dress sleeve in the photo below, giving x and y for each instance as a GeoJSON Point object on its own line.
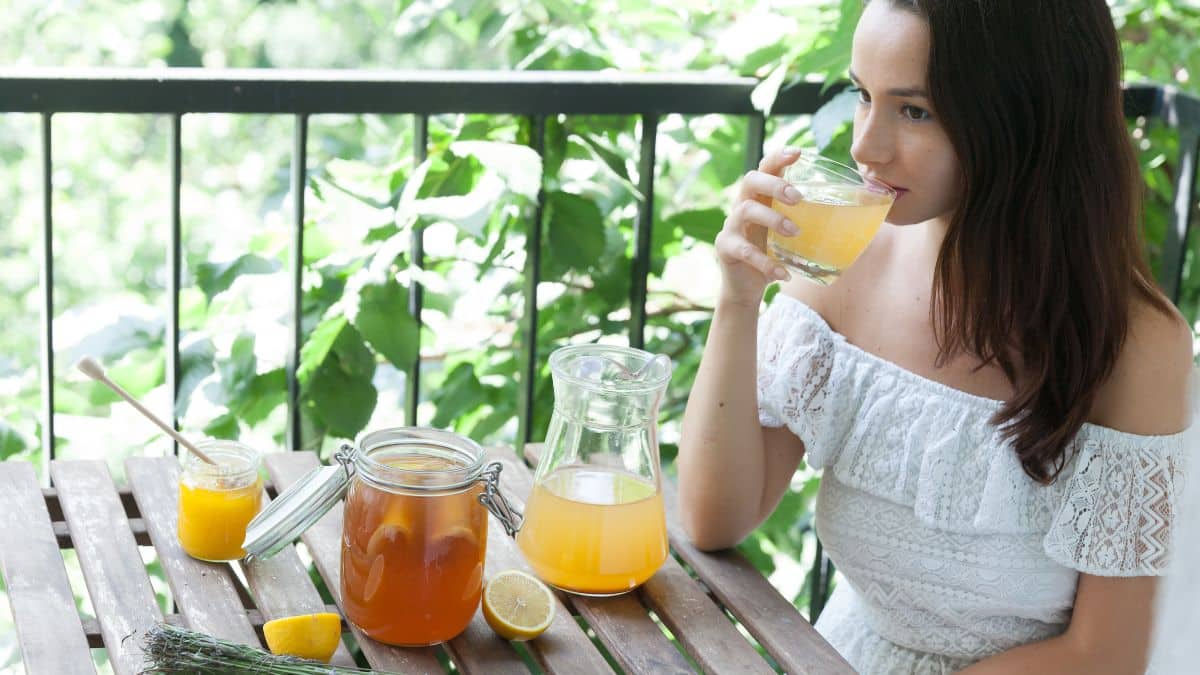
{"type": "Point", "coordinates": [1120, 504]}
{"type": "Point", "coordinates": [795, 362]}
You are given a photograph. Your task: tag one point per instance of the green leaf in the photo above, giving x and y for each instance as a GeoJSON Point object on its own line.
{"type": "Point", "coordinates": [384, 321]}
{"type": "Point", "coordinates": [139, 371]}
{"type": "Point", "coordinates": [833, 117]}
{"type": "Point", "coordinates": [214, 278]}
{"type": "Point", "coordinates": [764, 94]}
{"type": "Point", "coordinates": [518, 166]}
{"type": "Point", "coordinates": [753, 549]}
{"type": "Point", "coordinates": [459, 394]}
{"type": "Point", "coordinates": [576, 230]}
{"type": "Point", "coordinates": [491, 423]}
{"type": "Point", "coordinates": [318, 346]}
{"type": "Point", "coordinates": [611, 158]}
{"type": "Point", "coordinates": [195, 364]}
{"type": "Point", "coordinates": [11, 441]}
{"type": "Point", "coordinates": [699, 224]}
{"type": "Point", "coordinates": [237, 371]}
{"type": "Point", "coordinates": [224, 426]}
{"type": "Point", "coordinates": [343, 402]}
{"type": "Point", "coordinates": [336, 371]}
{"type": "Point", "coordinates": [119, 338]}
{"type": "Point", "coordinates": [266, 392]}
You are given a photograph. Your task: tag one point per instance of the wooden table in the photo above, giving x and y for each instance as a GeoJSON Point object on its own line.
{"type": "Point", "coordinates": [106, 524]}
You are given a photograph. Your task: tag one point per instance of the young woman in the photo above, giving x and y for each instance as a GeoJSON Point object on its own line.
{"type": "Point", "coordinates": [995, 390]}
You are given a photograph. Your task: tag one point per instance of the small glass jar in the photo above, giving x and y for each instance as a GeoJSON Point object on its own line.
{"type": "Point", "coordinates": [414, 530]}
{"type": "Point", "coordinates": [217, 501]}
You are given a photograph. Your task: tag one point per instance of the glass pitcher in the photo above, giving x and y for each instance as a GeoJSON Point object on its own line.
{"type": "Point", "coordinates": [594, 523]}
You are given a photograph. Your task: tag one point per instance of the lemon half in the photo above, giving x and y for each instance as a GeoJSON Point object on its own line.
{"type": "Point", "coordinates": [309, 636]}
{"type": "Point", "coordinates": [517, 606]}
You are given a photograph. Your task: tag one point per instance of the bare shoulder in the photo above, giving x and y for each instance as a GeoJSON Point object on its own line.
{"type": "Point", "coordinates": [1148, 390]}
{"type": "Point", "coordinates": [807, 291]}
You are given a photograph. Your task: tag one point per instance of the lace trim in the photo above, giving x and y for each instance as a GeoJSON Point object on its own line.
{"type": "Point", "coordinates": [917, 442]}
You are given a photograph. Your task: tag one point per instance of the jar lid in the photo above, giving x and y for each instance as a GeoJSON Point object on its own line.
{"type": "Point", "coordinates": [299, 507]}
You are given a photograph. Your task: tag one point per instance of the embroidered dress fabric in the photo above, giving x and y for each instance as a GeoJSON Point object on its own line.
{"type": "Point", "coordinates": [949, 551]}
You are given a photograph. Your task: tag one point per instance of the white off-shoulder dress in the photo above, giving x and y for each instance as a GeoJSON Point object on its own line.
{"type": "Point", "coordinates": [950, 552]}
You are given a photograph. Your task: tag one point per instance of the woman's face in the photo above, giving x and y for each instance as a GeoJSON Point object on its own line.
{"type": "Point", "coordinates": [898, 138]}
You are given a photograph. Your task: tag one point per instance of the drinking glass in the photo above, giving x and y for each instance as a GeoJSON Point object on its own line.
{"type": "Point", "coordinates": [838, 214]}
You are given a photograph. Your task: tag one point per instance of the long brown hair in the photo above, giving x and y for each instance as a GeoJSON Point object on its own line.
{"type": "Point", "coordinates": [1042, 261]}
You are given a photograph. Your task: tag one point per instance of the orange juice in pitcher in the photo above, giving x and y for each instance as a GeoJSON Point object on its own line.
{"type": "Point", "coordinates": [594, 531]}
{"type": "Point", "coordinates": [594, 523]}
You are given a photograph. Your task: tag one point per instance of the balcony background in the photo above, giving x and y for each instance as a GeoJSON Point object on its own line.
{"type": "Point", "coordinates": [466, 182]}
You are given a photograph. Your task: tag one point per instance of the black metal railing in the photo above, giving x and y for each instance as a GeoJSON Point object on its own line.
{"type": "Point", "coordinates": [533, 95]}
{"type": "Point", "coordinates": [302, 94]}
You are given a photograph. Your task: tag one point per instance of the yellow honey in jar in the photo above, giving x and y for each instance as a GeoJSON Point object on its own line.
{"type": "Point", "coordinates": [217, 501]}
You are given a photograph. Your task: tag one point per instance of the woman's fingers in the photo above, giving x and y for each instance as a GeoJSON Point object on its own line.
{"type": "Point", "coordinates": [763, 187]}
{"type": "Point", "coordinates": [750, 212]}
{"type": "Point", "coordinates": [775, 162]}
{"type": "Point", "coordinates": [732, 247]}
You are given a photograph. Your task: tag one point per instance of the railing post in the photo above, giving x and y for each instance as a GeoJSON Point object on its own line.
{"type": "Point", "coordinates": [47, 300]}
{"type": "Point", "coordinates": [174, 272]}
{"type": "Point", "coordinates": [819, 577]}
{"type": "Point", "coordinates": [532, 277]}
{"type": "Point", "coordinates": [416, 295]}
{"type": "Point", "coordinates": [1180, 223]}
{"type": "Point", "coordinates": [643, 231]}
{"type": "Point", "coordinates": [299, 175]}
{"type": "Point", "coordinates": [756, 132]}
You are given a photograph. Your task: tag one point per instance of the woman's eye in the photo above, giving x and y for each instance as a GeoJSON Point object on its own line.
{"type": "Point", "coordinates": [863, 96]}
{"type": "Point", "coordinates": [915, 114]}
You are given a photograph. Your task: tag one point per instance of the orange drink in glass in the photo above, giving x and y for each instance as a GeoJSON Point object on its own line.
{"type": "Point", "coordinates": [594, 531]}
{"type": "Point", "coordinates": [217, 501]}
{"type": "Point", "coordinates": [838, 214]}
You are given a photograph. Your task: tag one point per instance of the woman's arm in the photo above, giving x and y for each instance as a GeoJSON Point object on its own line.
{"type": "Point", "coordinates": [732, 471]}
{"type": "Point", "coordinates": [1109, 634]}
{"type": "Point", "coordinates": [1111, 623]}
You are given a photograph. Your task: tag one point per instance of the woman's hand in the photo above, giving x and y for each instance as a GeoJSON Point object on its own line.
{"type": "Point", "coordinates": [746, 268]}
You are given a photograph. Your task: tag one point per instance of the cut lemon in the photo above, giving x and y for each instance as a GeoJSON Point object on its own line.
{"type": "Point", "coordinates": [517, 606]}
{"type": "Point", "coordinates": [309, 636]}
{"type": "Point", "coordinates": [389, 536]}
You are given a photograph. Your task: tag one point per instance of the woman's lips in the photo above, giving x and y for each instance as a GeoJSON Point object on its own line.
{"type": "Point", "coordinates": [900, 192]}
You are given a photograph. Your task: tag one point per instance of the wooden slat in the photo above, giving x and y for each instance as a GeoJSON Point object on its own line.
{"type": "Point", "coordinates": [699, 624]}
{"type": "Point", "coordinates": [112, 567]}
{"type": "Point", "coordinates": [204, 591]}
{"type": "Point", "coordinates": [62, 532]}
{"type": "Point", "coordinates": [324, 541]}
{"type": "Point", "coordinates": [281, 587]}
{"type": "Point", "coordinates": [127, 501]}
{"type": "Point", "coordinates": [774, 621]}
{"type": "Point", "coordinates": [91, 627]}
{"type": "Point", "coordinates": [621, 622]}
{"type": "Point", "coordinates": [777, 625]}
{"type": "Point", "coordinates": [49, 632]}
{"type": "Point", "coordinates": [564, 647]}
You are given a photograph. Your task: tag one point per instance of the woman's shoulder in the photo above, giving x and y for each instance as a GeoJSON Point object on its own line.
{"type": "Point", "coordinates": [1147, 392]}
